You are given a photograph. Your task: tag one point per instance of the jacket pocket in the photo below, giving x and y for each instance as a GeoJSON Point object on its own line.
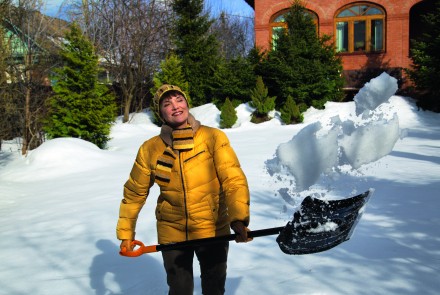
{"type": "Point", "coordinates": [166, 212]}
{"type": "Point", "coordinates": [214, 206]}
{"type": "Point", "coordinates": [205, 211]}
{"type": "Point", "coordinates": [195, 156]}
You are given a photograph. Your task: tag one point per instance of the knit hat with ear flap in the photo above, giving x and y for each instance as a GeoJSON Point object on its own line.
{"type": "Point", "coordinates": [161, 92]}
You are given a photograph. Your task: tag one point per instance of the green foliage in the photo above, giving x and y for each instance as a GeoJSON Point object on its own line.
{"type": "Point", "coordinates": [425, 55]}
{"type": "Point", "coordinates": [302, 107]}
{"type": "Point", "coordinates": [255, 57]}
{"type": "Point", "coordinates": [290, 113]}
{"type": "Point", "coordinates": [228, 115]}
{"type": "Point", "coordinates": [197, 48]}
{"type": "Point", "coordinates": [234, 78]}
{"type": "Point", "coordinates": [303, 64]}
{"type": "Point", "coordinates": [171, 72]}
{"type": "Point", "coordinates": [81, 107]}
{"type": "Point", "coordinates": [261, 101]}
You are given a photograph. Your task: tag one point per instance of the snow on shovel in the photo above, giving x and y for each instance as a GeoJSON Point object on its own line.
{"type": "Point", "coordinates": [318, 225]}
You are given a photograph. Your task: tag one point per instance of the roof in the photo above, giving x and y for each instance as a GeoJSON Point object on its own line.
{"type": "Point", "coordinates": [251, 3]}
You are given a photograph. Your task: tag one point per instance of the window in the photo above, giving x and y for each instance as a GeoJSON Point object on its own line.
{"type": "Point", "coordinates": [278, 24]}
{"type": "Point", "coordinates": [15, 45]}
{"type": "Point", "coordinates": [360, 28]}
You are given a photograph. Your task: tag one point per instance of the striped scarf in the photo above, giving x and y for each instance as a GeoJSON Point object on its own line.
{"type": "Point", "coordinates": [163, 168]}
{"type": "Point", "coordinates": [183, 139]}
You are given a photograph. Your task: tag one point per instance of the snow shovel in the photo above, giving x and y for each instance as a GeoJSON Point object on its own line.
{"type": "Point", "coordinates": [318, 225]}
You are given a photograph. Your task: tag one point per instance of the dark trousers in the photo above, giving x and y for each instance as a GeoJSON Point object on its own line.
{"type": "Point", "coordinates": [179, 268]}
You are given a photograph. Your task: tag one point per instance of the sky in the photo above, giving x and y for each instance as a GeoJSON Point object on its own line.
{"type": "Point", "coordinates": [59, 204]}
{"type": "Point", "coordinates": [235, 7]}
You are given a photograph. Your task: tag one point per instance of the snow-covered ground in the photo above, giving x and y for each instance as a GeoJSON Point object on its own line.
{"type": "Point", "coordinates": [59, 205]}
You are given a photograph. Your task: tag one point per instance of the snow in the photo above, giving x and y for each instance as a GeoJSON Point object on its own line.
{"type": "Point", "coordinates": [59, 205]}
{"type": "Point", "coordinates": [325, 227]}
{"type": "Point", "coordinates": [318, 149]}
{"type": "Point", "coordinates": [375, 92]}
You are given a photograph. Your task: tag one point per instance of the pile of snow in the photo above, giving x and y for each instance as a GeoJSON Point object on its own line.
{"type": "Point", "coordinates": [374, 93]}
{"type": "Point", "coordinates": [59, 157]}
{"type": "Point", "coordinates": [355, 141]}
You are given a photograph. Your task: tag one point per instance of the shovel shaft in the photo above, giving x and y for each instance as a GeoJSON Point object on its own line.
{"type": "Point", "coordinates": [198, 242]}
{"type": "Point", "coordinates": [265, 232]}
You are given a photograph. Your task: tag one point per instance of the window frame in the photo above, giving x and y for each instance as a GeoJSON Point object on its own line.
{"type": "Point", "coordinates": [368, 19]}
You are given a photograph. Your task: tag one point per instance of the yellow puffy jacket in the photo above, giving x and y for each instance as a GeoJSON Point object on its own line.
{"type": "Point", "coordinates": [207, 190]}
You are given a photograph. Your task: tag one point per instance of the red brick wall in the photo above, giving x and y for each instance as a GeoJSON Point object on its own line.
{"type": "Point", "coordinates": [397, 28]}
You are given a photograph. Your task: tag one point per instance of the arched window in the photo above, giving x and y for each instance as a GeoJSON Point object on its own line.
{"type": "Point", "coordinates": [360, 27]}
{"type": "Point", "coordinates": [278, 24]}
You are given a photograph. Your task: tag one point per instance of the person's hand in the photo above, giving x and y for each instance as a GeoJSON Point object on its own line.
{"type": "Point", "coordinates": [241, 230]}
{"type": "Point", "coordinates": [126, 245]}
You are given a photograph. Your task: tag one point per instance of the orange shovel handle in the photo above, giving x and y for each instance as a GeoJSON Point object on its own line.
{"type": "Point", "coordinates": [139, 251]}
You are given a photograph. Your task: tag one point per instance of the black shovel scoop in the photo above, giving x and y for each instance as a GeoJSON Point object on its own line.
{"type": "Point", "coordinates": [318, 225]}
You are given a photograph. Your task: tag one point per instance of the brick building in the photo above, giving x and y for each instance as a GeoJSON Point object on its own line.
{"type": "Point", "coordinates": [368, 35]}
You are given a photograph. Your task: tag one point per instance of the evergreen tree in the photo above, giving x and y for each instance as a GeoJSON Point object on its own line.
{"type": "Point", "coordinates": [81, 107]}
{"type": "Point", "coordinates": [290, 113]}
{"type": "Point", "coordinates": [228, 114]}
{"type": "Point", "coordinates": [234, 78]}
{"type": "Point", "coordinates": [425, 55]}
{"type": "Point", "coordinates": [197, 48]}
{"type": "Point", "coordinates": [303, 64]}
{"type": "Point", "coordinates": [261, 101]}
{"type": "Point", "coordinates": [171, 72]}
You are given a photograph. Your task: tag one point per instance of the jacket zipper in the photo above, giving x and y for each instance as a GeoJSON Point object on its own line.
{"type": "Point", "coordinates": [184, 195]}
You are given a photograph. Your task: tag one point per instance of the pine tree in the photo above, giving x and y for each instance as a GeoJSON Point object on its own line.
{"type": "Point", "coordinates": [303, 64]}
{"type": "Point", "coordinates": [425, 55]}
{"type": "Point", "coordinates": [234, 78]}
{"type": "Point", "coordinates": [290, 112]}
{"type": "Point", "coordinates": [197, 48]}
{"type": "Point", "coordinates": [81, 107]}
{"type": "Point", "coordinates": [261, 101]}
{"type": "Point", "coordinates": [171, 72]}
{"type": "Point", "coordinates": [228, 114]}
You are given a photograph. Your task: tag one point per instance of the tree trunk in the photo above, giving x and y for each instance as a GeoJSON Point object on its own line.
{"type": "Point", "coordinates": [127, 107]}
{"type": "Point", "coordinates": [27, 110]}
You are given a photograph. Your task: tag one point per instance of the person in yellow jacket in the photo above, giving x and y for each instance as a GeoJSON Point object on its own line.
{"type": "Point", "coordinates": [203, 193]}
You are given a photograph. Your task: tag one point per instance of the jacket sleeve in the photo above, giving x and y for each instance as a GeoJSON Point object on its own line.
{"type": "Point", "coordinates": [232, 179]}
{"type": "Point", "coordinates": [136, 190]}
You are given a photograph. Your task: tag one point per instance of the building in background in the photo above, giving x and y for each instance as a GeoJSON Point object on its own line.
{"type": "Point", "coordinates": [369, 36]}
